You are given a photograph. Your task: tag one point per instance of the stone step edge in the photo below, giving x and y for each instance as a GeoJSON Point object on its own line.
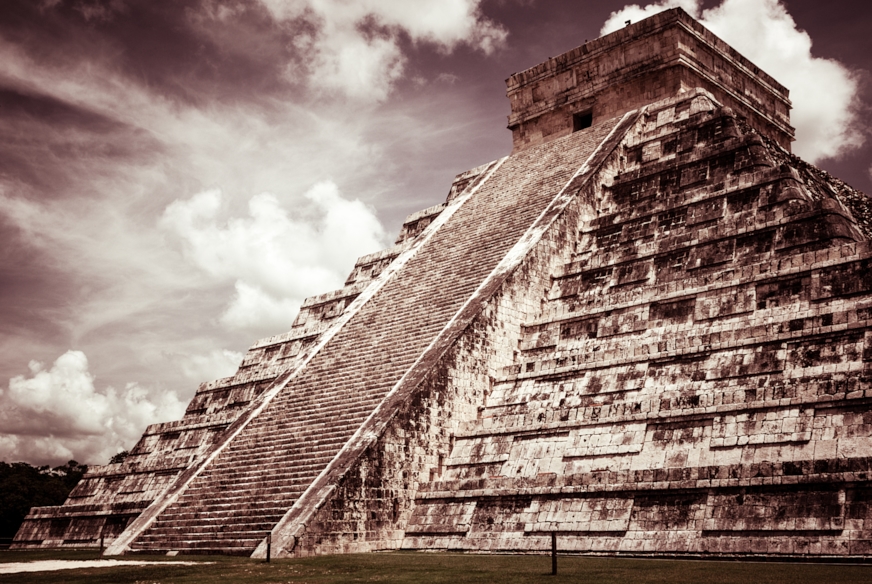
{"type": "Point", "coordinates": [864, 397]}
{"type": "Point", "coordinates": [806, 262]}
{"type": "Point", "coordinates": [727, 229]}
{"type": "Point", "coordinates": [649, 356]}
{"type": "Point", "coordinates": [641, 487]}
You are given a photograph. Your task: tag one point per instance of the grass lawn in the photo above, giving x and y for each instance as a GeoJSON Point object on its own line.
{"type": "Point", "coordinates": [435, 567]}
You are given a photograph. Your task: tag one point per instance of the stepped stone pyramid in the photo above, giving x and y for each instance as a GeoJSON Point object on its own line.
{"type": "Point", "coordinates": [648, 329]}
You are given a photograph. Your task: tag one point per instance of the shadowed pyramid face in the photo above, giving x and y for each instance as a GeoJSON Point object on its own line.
{"type": "Point", "coordinates": [648, 335]}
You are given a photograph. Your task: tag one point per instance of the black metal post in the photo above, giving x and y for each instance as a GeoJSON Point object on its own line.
{"type": "Point", "coordinates": [102, 547]}
{"type": "Point", "coordinates": [553, 553]}
{"type": "Point", "coordinates": [268, 545]}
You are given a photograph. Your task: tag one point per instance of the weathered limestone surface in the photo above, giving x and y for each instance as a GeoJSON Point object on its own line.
{"type": "Point", "coordinates": [696, 379]}
{"type": "Point", "coordinates": [652, 335]}
{"type": "Point", "coordinates": [649, 60]}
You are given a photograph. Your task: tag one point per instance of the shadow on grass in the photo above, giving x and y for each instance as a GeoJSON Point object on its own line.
{"type": "Point", "coordinates": [427, 568]}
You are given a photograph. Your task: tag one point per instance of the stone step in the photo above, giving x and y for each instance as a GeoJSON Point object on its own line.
{"type": "Point", "coordinates": [252, 483]}
{"type": "Point", "coordinates": [274, 460]}
{"type": "Point", "coordinates": [193, 532]}
{"type": "Point", "coordinates": [215, 524]}
{"type": "Point", "coordinates": [301, 417]}
{"type": "Point", "coordinates": [224, 502]}
{"type": "Point", "coordinates": [244, 520]}
{"type": "Point", "coordinates": [303, 409]}
{"type": "Point", "coordinates": [298, 444]}
{"type": "Point", "coordinates": [252, 489]}
{"type": "Point", "coordinates": [276, 469]}
{"type": "Point", "coordinates": [277, 496]}
{"type": "Point", "coordinates": [242, 545]}
{"type": "Point", "coordinates": [308, 429]}
{"type": "Point", "coordinates": [253, 513]}
{"type": "Point", "coordinates": [225, 547]}
{"type": "Point", "coordinates": [243, 549]}
{"type": "Point", "coordinates": [205, 531]}
{"type": "Point", "coordinates": [250, 478]}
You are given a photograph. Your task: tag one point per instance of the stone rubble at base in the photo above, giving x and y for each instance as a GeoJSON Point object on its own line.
{"type": "Point", "coordinates": [652, 335]}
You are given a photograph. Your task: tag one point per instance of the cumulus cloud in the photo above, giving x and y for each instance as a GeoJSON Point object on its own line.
{"type": "Point", "coordinates": [83, 190]}
{"type": "Point", "coordinates": [215, 364]}
{"type": "Point", "coordinates": [635, 13]}
{"type": "Point", "coordinates": [57, 413]}
{"type": "Point", "coordinates": [276, 258]}
{"type": "Point", "coordinates": [354, 47]}
{"type": "Point", "coordinates": [823, 91]}
{"type": "Point", "coordinates": [254, 308]}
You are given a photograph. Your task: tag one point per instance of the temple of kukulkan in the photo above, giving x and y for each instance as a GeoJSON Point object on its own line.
{"type": "Point", "coordinates": [648, 329]}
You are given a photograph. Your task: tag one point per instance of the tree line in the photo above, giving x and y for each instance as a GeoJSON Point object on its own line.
{"type": "Point", "coordinates": [23, 486]}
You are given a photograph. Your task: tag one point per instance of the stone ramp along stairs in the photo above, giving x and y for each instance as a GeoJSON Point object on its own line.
{"type": "Point", "coordinates": [303, 428]}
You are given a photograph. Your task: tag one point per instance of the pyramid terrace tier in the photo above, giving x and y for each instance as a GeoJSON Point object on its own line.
{"type": "Point", "coordinates": [417, 222]}
{"type": "Point", "coordinates": [698, 380]}
{"type": "Point", "coordinates": [816, 298]}
{"type": "Point", "coordinates": [659, 57]}
{"type": "Point", "coordinates": [662, 514]}
{"type": "Point", "coordinates": [369, 267]}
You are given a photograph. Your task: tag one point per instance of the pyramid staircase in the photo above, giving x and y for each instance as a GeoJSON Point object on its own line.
{"type": "Point", "coordinates": [257, 476]}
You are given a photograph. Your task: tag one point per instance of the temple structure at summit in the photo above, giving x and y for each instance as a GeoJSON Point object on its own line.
{"type": "Point", "coordinates": [648, 329]}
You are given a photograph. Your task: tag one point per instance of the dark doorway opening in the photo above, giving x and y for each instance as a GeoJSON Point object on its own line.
{"type": "Point", "coordinates": [582, 120]}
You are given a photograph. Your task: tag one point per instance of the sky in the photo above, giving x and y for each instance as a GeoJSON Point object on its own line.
{"type": "Point", "coordinates": [176, 176]}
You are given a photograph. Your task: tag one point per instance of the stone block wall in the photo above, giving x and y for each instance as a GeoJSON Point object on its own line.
{"type": "Point", "coordinates": [372, 503]}
{"type": "Point", "coordinates": [647, 61]}
{"type": "Point", "coordinates": [696, 381]}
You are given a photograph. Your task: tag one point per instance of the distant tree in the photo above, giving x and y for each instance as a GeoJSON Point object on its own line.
{"type": "Point", "coordinates": [23, 486]}
{"type": "Point", "coordinates": [119, 458]}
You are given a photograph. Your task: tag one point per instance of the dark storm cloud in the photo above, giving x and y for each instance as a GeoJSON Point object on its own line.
{"type": "Point", "coordinates": [29, 298]}
{"type": "Point", "coordinates": [192, 51]}
{"type": "Point", "coordinates": [49, 143]}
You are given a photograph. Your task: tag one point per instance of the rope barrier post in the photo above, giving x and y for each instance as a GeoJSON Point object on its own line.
{"type": "Point", "coordinates": [553, 553]}
{"type": "Point", "coordinates": [268, 546]}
